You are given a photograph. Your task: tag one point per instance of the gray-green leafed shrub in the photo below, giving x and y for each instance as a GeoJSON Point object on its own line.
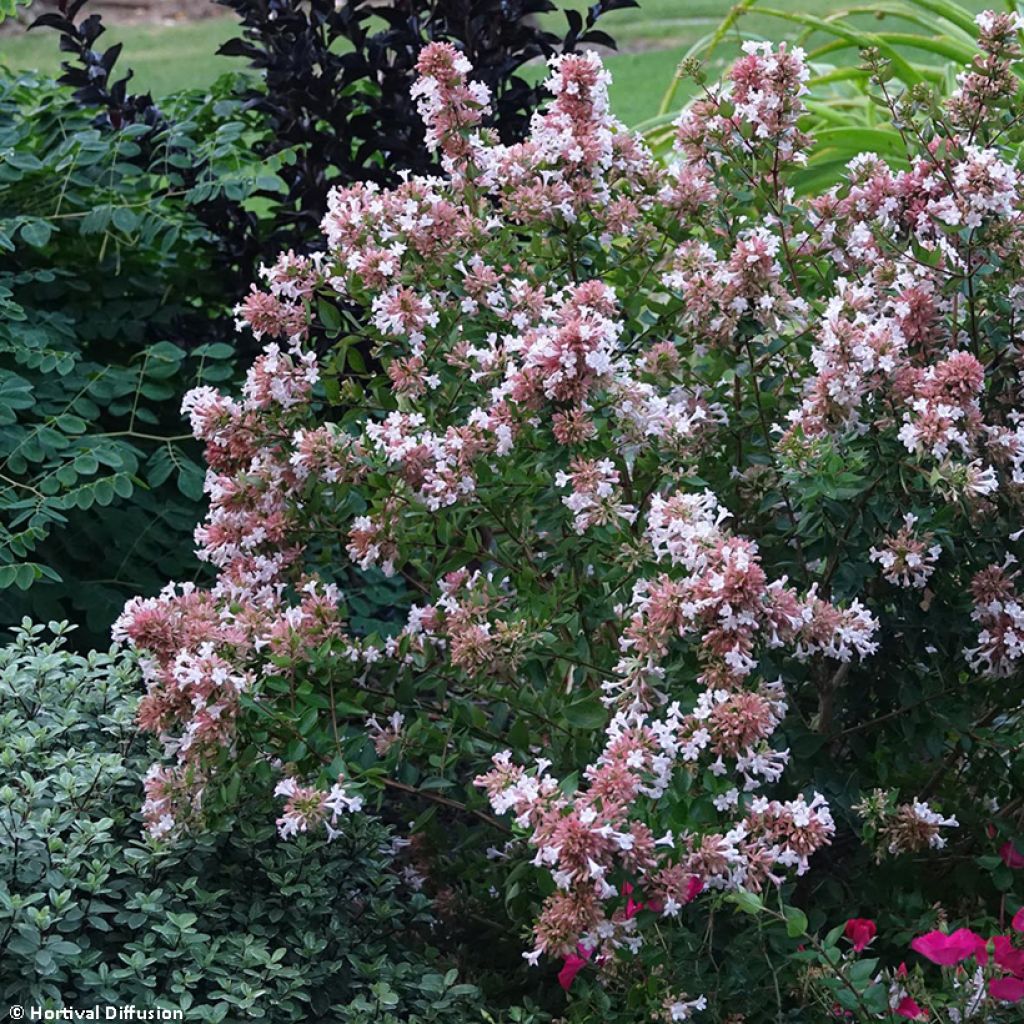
{"type": "Point", "coordinates": [233, 926]}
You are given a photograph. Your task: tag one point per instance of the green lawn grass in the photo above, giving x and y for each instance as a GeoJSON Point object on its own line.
{"type": "Point", "coordinates": [655, 37]}
{"type": "Point", "coordinates": [165, 58]}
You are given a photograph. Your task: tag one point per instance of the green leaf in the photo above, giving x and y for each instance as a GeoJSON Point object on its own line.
{"type": "Point", "coordinates": [71, 424]}
{"type": "Point", "coordinates": [329, 316]}
{"type": "Point", "coordinates": [586, 714]}
{"type": "Point", "coordinates": [190, 481]}
{"type": "Point", "coordinates": [21, 575]}
{"type": "Point", "coordinates": [796, 922]}
{"type": "Point", "coordinates": [125, 219]}
{"type": "Point", "coordinates": [36, 232]}
{"type": "Point", "coordinates": [862, 970]}
{"type": "Point", "coordinates": [862, 40]}
{"type": "Point", "coordinates": [748, 902]}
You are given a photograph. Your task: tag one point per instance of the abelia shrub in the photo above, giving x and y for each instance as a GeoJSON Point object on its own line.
{"type": "Point", "coordinates": [697, 482]}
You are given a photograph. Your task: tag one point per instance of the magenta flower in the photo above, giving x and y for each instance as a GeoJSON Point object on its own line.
{"type": "Point", "coordinates": [1018, 920]}
{"type": "Point", "coordinates": [945, 949]}
{"type": "Point", "coordinates": [1010, 959]}
{"type": "Point", "coordinates": [860, 931]}
{"type": "Point", "coordinates": [574, 963]}
{"type": "Point", "coordinates": [1008, 990]}
{"type": "Point", "coordinates": [910, 1010]}
{"type": "Point", "coordinates": [633, 907]}
{"type": "Point", "coordinates": [1011, 856]}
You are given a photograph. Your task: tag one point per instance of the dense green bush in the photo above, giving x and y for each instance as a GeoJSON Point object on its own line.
{"type": "Point", "coordinates": [233, 926]}
{"type": "Point", "coordinates": [107, 274]}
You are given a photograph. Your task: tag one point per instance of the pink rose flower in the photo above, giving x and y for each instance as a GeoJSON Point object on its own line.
{"type": "Point", "coordinates": [910, 1010]}
{"type": "Point", "coordinates": [945, 949]}
{"type": "Point", "coordinates": [574, 963]}
{"type": "Point", "coordinates": [860, 931]}
{"type": "Point", "coordinates": [1008, 990]}
{"type": "Point", "coordinates": [633, 907]}
{"type": "Point", "coordinates": [1007, 957]}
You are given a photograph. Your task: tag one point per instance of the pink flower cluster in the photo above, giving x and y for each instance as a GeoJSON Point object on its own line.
{"type": "Point", "coordinates": [596, 496]}
{"type": "Point", "coordinates": [718, 294]}
{"type": "Point", "coordinates": [907, 558]}
{"type": "Point", "coordinates": [999, 610]}
{"type": "Point", "coordinates": [587, 837]}
{"type": "Point", "coordinates": [990, 79]}
{"type": "Point", "coordinates": [764, 94]}
{"type": "Point", "coordinates": [307, 807]}
{"type": "Point", "coordinates": [725, 604]}
{"type": "Point", "coordinates": [884, 355]}
{"type": "Point", "coordinates": [909, 827]}
{"type": "Point", "coordinates": [449, 104]}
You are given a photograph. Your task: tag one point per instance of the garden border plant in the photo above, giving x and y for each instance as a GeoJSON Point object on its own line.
{"type": "Point", "coordinates": [130, 227]}
{"type": "Point", "coordinates": [708, 494]}
{"type": "Point", "coordinates": [228, 926]}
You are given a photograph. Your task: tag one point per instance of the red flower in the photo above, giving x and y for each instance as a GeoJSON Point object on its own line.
{"type": "Point", "coordinates": [1012, 857]}
{"type": "Point", "coordinates": [573, 965]}
{"type": "Point", "coordinates": [1018, 920]}
{"type": "Point", "coordinates": [945, 949]}
{"type": "Point", "coordinates": [860, 931]}
{"type": "Point", "coordinates": [632, 906]}
{"type": "Point", "coordinates": [909, 1009]}
{"type": "Point", "coordinates": [1009, 990]}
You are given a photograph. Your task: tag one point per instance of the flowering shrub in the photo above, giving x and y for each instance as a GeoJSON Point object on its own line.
{"type": "Point", "coordinates": [128, 227]}
{"type": "Point", "coordinates": [706, 494]}
{"type": "Point", "coordinates": [983, 977]}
